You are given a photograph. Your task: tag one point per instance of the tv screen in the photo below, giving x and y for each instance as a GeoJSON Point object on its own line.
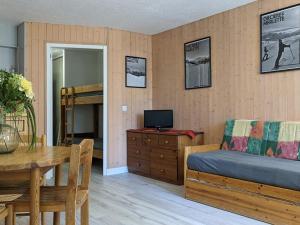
{"type": "Point", "coordinates": [158, 118]}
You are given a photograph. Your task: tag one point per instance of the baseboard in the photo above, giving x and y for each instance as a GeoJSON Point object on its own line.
{"type": "Point", "coordinates": [117, 170]}
{"type": "Point", "coordinates": [109, 172]}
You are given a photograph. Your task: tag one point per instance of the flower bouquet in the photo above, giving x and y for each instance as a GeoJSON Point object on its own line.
{"type": "Point", "coordinates": [16, 98]}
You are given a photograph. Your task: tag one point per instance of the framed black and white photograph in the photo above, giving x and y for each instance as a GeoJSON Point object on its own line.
{"type": "Point", "coordinates": [197, 56]}
{"type": "Point", "coordinates": [280, 40]}
{"type": "Point", "coordinates": [135, 69]}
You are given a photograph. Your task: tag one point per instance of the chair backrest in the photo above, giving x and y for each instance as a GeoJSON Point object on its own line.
{"type": "Point", "coordinates": [40, 141]}
{"type": "Point", "coordinates": [81, 154]}
{"type": "Point", "coordinates": [87, 147]}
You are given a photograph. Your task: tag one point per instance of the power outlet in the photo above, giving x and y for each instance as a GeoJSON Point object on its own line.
{"type": "Point", "coordinates": [124, 108]}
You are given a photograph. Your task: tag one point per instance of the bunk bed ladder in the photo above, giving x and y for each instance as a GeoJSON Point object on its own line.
{"type": "Point", "coordinates": [68, 126]}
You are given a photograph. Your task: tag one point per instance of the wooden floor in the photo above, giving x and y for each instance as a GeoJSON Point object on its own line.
{"type": "Point", "coordinates": [128, 199]}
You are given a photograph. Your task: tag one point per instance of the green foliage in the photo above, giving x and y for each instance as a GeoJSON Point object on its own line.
{"type": "Point", "coordinates": [16, 97]}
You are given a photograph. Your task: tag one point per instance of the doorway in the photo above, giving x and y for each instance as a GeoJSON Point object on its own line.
{"type": "Point", "coordinates": [72, 65]}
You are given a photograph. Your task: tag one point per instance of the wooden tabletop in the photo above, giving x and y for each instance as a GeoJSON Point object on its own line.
{"type": "Point", "coordinates": [23, 158]}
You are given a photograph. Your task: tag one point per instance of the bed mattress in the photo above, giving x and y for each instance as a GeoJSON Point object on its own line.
{"type": "Point", "coordinates": [260, 169]}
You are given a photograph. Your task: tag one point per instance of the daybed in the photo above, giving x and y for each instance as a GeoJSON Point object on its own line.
{"type": "Point", "coordinates": [254, 172]}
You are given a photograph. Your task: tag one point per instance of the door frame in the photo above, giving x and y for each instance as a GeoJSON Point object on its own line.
{"type": "Point", "coordinates": [49, 94]}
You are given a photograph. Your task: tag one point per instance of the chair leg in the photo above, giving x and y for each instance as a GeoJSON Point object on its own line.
{"type": "Point", "coordinates": [56, 218]}
{"type": "Point", "coordinates": [70, 213]}
{"type": "Point", "coordinates": [10, 219]}
{"type": "Point", "coordinates": [43, 218]}
{"type": "Point", "coordinates": [85, 213]}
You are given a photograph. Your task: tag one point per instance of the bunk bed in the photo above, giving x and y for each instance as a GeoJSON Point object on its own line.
{"type": "Point", "coordinates": [80, 95]}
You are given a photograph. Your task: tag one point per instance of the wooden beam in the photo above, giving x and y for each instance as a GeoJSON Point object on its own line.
{"type": "Point", "coordinates": [85, 89]}
{"type": "Point", "coordinates": [85, 100]}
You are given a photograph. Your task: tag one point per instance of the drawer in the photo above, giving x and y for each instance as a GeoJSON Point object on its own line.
{"type": "Point", "coordinates": [150, 139]}
{"type": "Point", "coordinates": [134, 139]}
{"type": "Point", "coordinates": [140, 152]}
{"type": "Point", "coordinates": [164, 156]}
{"type": "Point", "coordinates": [168, 141]}
{"type": "Point", "coordinates": [164, 172]}
{"type": "Point", "coordinates": [138, 166]}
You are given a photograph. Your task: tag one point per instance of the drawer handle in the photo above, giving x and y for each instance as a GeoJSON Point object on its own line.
{"type": "Point", "coordinates": [162, 170]}
{"type": "Point", "coordinates": [166, 142]}
{"type": "Point", "coordinates": [138, 164]}
{"type": "Point", "coordinates": [137, 152]}
{"type": "Point", "coordinates": [133, 138]}
{"type": "Point", "coordinates": [161, 156]}
{"type": "Point", "coordinates": [149, 140]}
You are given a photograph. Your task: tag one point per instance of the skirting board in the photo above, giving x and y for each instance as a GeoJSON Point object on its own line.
{"type": "Point", "coordinates": [117, 170]}
{"type": "Point", "coordinates": [109, 172]}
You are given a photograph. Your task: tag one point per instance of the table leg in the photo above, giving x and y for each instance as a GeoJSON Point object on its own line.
{"type": "Point", "coordinates": [35, 196]}
{"type": "Point", "coordinates": [58, 177]}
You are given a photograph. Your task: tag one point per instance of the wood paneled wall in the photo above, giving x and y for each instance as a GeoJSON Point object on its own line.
{"type": "Point", "coordinates": [120, 43]}
{"type": "Point", "coordinates": [238, 90]}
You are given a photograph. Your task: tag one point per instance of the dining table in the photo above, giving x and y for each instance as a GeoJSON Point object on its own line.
{"type": "Point", "coordinates": [29, 165]}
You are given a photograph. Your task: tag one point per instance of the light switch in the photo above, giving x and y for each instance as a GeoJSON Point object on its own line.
{"type": "Point", "coordinates": [124, 108]}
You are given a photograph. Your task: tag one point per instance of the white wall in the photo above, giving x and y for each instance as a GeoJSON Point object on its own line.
{"type": "Point", "coordinates": [83, 67]}
{"type": "Point", "coordinates": [58, 79]}
{"type": "Point", "coordinates": [8, 44]}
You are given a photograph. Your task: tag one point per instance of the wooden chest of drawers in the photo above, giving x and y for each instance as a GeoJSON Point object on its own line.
{"type": "Point", "coordinates": [158, 155]}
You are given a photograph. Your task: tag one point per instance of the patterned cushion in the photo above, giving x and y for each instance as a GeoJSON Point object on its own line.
{"type": "Point", "coordinates": [227, 134]}
{"type": "Point", "coordinates": [256, 138]}
{"type": "Point", "coordinates": [267, 138]}
{"type": "Point", "coordinates": [288, 141]}
{"type": "Point", "coordinates": [236, 135]}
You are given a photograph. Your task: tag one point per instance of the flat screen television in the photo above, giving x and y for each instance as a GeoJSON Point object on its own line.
{"type": "Point", "coordinates": [159, 119]}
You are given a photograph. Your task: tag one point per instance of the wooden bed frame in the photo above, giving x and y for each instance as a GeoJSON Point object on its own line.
{"type": "Point", "coordinates": [85, 89]}
{"type": "Point", "coordinates": [81, 95]}
{"type": "Point", "coordinates": [259, 201]}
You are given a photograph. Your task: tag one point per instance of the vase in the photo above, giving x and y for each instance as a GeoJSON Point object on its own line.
{"type": "Point", "coordinates": [9, 139]}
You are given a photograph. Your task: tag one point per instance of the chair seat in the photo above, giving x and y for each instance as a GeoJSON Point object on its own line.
{"type": "Point", "coordinates": [52, 199]}
{"type": "Point", "coordinates": [8, 197]}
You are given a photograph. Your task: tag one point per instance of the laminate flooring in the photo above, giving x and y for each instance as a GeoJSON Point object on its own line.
{"type": "Point", "coordinates": [128, 199]}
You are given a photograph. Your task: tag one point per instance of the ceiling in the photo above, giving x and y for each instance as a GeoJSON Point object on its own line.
{"type": "Point", "coordinates": [144, 16]}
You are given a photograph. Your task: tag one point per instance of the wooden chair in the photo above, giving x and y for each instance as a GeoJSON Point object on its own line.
{"type": "Point", "coordinates": [40, 141]}
{"type": "Point", "coordinates": [22, 181]}
{"type": "Point", "coordinates": [7, 212]}
{"type": "Point", "coordinates": [67, 198]}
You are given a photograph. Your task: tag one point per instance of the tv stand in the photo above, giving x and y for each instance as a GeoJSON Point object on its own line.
{"type": "Point", "coordinates": [159, 155]}
{"type": "Point", "coordinates": [159, 129]}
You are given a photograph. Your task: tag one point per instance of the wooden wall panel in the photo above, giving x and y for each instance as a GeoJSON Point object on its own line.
{"type": "Point", "coordinates": [120, 43]}
{"type": "Point", "coordinates": [238, 90]}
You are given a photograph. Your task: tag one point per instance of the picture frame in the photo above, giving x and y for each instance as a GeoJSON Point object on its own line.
{"type": "Point", "coordinates": [197, 63]}
{"type": "Point", "coordinates": [135, 72]}
{"type": "Point", "coordinates": [280, 40]}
